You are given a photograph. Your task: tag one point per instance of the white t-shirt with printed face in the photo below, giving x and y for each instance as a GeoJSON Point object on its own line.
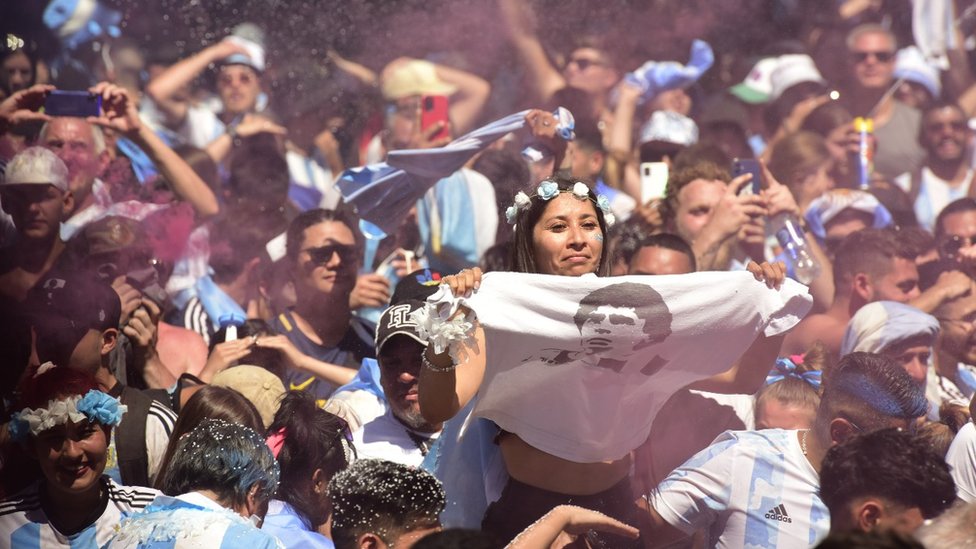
{"type": "Point", "coordinates": [749, 489]}
{"type": "Point", "coordinates": [961, 458]}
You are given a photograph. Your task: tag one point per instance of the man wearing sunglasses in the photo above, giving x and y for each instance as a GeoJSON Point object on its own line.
{"type": "Point", "coordinates": [946, 174]}
{"type": "Point", "coordinates": [955, 234]}
{"type": "Point", "coordinates": [871, 50]}
{"type": "Point", "coordinates": [324, 343]}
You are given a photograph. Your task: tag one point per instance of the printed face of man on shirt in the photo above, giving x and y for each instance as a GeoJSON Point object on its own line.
{"type": "Point", "coordinates": [605, 320]}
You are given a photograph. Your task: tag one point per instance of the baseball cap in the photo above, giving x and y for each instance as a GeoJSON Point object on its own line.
{"type": "Point", "coordinates": [396, 320]}
{"type": "Point", "coordinates": [911, 65]}
{"type": "Point", "coordinates": [416, 286]}
{"type": "Point", "coordinates": [79, 298]}
{"type": "Point", "coordinates": [251, 38]}
{"type": "Point", "coordinates": [791, 70]}
{"type": "Point", "coordinates": [36, 166]}
{"type": "Point", "coordinates": [757, 86]}
{"type": "Point", "coordinates": [413, 77]}
{"type": "Point", "coordinates": [258, 385]}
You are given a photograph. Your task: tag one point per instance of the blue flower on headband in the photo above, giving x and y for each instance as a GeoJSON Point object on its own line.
{"type": "Point", "coordinates": [510, 214]}
{"type": "Point", "coordinates": [603, 202]}
{"type": "Point", "coordinates": [548, 189]}
{"type": "Point", "coordinates": [787, 368]}
{"type": "Point", "coordinates": [18, 428]}
{"type": "Point", "coordinates": [100, 407]}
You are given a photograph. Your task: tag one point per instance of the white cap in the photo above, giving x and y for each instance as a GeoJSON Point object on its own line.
{"type": "Point", "coordinates": [36, 166]}
{"type": "Point", "coordinates": [791, 70]}
{"type": "Point", "coordinates": [251, 38]}
{"type": "Point", "coordinates": [910, 64]}
{"type": "Point", "coordinates": [758, 85]}
{"type": "Point", "coordinates": [669, 127]}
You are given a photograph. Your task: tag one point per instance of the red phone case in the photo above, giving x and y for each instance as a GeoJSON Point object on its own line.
{"type": "Point", "coordinates": [433, 109]}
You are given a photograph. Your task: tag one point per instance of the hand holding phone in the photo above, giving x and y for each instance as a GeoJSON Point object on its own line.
{"type": "Point", "coordinates": [78, 104]}
{"type": "Point", "coordinates": [433, 111]}
{"type": "Point", "coordinates": [654, 180]}
{"type": "Point", "coordinates": [742, 166]}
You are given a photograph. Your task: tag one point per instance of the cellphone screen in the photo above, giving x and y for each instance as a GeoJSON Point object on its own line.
{"type": "Point", "coordinates": [80, 104]}
{"type": "Point", "coordinates": [433, 110]}
{"type": "Point", "coordinates": [654, 180]}
{"type": "Point", "coordinates": [748, 165]}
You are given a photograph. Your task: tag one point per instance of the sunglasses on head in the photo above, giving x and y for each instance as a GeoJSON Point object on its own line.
{"type": "Point", "coordinates": [323, 254]}
{"type": "Point", "coordinates": [951, 246]}
{"type": "Point", "coordinates": [881, 56]}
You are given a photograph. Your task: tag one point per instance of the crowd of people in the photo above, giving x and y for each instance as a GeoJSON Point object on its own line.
{"type": "Point", "coordinates": [646, 312]}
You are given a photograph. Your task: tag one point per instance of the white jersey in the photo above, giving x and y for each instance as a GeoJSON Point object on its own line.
{"type": "Point", "coordinates": [25, 523]}
{"type": "Point", "coordinates": [751, 489]}
{"type": "Point", "coordinates": [386, 438]}
{"type": "Point", "coordinates": [961, 458]}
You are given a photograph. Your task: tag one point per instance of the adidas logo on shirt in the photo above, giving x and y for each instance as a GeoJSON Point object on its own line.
{"type": "Point", "coordinates": [779, 513]}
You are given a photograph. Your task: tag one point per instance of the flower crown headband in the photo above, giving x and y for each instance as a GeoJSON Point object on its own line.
{"type": "Point", "coordinates": [95, 406]}
{"type": "Point", "coordinates": [549, 189]}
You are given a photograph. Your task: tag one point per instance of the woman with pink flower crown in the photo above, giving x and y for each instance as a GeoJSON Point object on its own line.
{"type": "Point", "coordinates": [65, 424]}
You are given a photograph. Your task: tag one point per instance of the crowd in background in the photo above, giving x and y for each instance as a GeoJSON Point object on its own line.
{"type": "Point", "coordinates": [216, 264]}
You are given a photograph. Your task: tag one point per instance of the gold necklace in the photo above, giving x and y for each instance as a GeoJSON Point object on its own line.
{"type": "Point", "coordinates": [803, 441]}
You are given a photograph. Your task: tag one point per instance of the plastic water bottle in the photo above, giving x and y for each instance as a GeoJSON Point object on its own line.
{"type": "Point", "coordinates": [787, 229]}
{"type": "Point", "coordinates": [865, 155]}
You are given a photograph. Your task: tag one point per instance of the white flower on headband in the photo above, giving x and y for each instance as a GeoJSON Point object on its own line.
{"type": "Point", "coordinates": [522, 202]}
{"type": "Point", "coordinates": [609, 219]}
{"type": "Point", "coordinates": [580, 190]}
{"type": "Point", "coordinates": [94, 406]}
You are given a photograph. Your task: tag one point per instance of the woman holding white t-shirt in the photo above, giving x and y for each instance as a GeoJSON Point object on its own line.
{"type": "Point", "coordinates": [560, 230]}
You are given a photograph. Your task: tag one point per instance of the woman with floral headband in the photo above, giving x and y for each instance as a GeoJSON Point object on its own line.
{"type": "Point", "coordinates": [65, 424]}
{"type": "Point", "coordinates": [560, 230]}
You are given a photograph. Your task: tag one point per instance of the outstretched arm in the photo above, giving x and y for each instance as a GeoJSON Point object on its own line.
{"type": "Point", "coordinates": [567, 523]}
{"type": "Point", "coordinates": [445, 386]}
{"type": "Point", "coordinates": [120, 114]}
{"type": "Point", "coordinates": [544, 79]}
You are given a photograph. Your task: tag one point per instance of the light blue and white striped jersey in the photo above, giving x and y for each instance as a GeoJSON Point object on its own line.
{"type": "Point", "coordinates": [190, 521]}
{"type": "Point", "coordinates": [24, 523]}
{"type": "Point", "coordinates": [749, 489]}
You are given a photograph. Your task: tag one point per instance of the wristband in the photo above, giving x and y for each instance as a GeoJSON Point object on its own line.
{"type": "Point", "coordinates": [430, 366]}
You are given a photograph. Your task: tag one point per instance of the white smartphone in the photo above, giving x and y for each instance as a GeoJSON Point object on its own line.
{"type": "Point", "coordinates": [654, 180]}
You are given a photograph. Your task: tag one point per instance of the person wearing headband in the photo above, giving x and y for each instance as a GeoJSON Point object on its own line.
{"type": "Point", "coordinates": [65, 424]}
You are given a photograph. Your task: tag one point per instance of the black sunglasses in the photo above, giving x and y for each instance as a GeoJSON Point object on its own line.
{"type": "Point", "coordinates": [881, 56]}
{"type": "Point", "coordinates": [952, 244]}
{"type": "Point", "coordinates": [323, 254]}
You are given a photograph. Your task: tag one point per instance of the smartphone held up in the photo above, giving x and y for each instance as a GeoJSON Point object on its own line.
{"type": "Point", "coordinates": [79, 104]}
